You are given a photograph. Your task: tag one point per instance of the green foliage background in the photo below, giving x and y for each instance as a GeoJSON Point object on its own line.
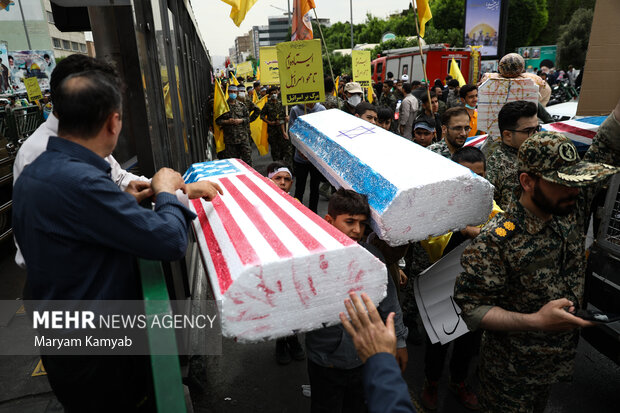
{"type": "Point", "coordinates": [530, 23]}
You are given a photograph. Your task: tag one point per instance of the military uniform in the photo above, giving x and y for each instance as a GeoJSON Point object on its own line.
{"type": "Point", "coordinates": [281, 148]}
{"type": "Point", "coordinates": [333, 102]}
{"type": "Point", "coordinates": [441, 148]}
{"type": "Point", "coordinates": [502, 173]}
{"type": "Point", "coordinates": [236, 137]}
{"type": "Point", "coordinates": [520, 262]}
{"type": "Point", "coordinates": [388, 100]}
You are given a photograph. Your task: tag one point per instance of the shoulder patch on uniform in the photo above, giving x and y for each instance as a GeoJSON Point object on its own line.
{"type": "Point", "coordinates": [503, 228]}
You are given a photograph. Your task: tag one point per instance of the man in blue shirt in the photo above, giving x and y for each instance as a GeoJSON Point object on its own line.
{"type": "Point", "coordinates": [80, 235]}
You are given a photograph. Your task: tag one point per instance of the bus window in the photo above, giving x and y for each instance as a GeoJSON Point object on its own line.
{"type": "Point", "coordinates": [458, 63]}
{"type": "Point", "coordinates": [379, 70]}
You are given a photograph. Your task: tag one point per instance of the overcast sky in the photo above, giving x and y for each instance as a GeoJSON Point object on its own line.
{"type": "Point", "coordinates": [219, 31]}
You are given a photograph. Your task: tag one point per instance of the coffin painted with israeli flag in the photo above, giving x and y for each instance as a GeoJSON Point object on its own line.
{"type": "Point", "coordinates": [413, 193]}
{"type": "Point", "coordinates": [275, 266]}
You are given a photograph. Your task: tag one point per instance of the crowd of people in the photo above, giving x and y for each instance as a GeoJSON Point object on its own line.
{"type": "Point", "coordinates": [79, 227]}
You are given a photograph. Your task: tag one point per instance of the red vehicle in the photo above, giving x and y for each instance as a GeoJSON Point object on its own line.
{"type": "Point", "coordinates": [407, 61]}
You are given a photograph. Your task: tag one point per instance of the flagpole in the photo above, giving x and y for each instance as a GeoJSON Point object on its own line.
{"type": "Point", "coordinates": [417, 27]}
{"type": "Point", "coordinates": [331, 71]}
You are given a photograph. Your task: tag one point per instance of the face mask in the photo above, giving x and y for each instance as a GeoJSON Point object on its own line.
{"type": "Point", "coordinates": [232, 96]}
{"type": "Point", "coordinates": [274, 97]}
{"type": "Point", "coordinates": [354, 100]}
{"type": "Point", "coordinates": [470, 107]}
{"type": "Point", "coordinates": [242, 95]}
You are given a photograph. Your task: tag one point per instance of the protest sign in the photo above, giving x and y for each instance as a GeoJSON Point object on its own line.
{"type": "Point", "coordinates": [269, 71]}
{"type": "Point", "coordinates": [361, 67]}
{"type": "Point", "coordinates": [301, 72]}
{"type": "Point", "coordinates": [33, 89]}
{"type": "Point", "coordinates": [245, 69]}
{"type": "Point", "coordinates": [434, 289]}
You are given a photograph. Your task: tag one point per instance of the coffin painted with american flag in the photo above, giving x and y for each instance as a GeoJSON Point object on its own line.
{"type": "Point", "coordinates": [413, 193]}
{"type": "Point", "coordinates": [275, 266]}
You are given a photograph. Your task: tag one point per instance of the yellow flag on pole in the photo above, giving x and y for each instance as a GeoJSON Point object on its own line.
{"type": "Point", "coordinates": [424, 14]}
{"type": "Point", "coordinates": [220, 106]}
{"type": "Point", "coordinates": [336, 86]}
{"type": "Point", "coordinates": [239, 9]}
{"type": "Point", "coordinates": [234, 80]}
{"type": "Point", "coordinates": [258, 128]}
{"type": "Point", "coordinates": [258, 73]}
{"type": "Point", "coordinates": [370, 92]}
{"type": "Point", "coordinates": [455, 72]}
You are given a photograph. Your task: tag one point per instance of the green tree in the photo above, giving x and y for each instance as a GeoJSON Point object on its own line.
{"type": "Point", "coordinates": [560, 11]}
{"type": "Point", "coordinates": [574, 37]}
{"type": "Point", "coordinates": [526, 19]}
{"type": "Point", "coordinates": [448, 14]}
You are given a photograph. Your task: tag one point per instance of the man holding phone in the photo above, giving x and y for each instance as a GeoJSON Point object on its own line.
{"type": "Point", "coordinates": [524, 274]}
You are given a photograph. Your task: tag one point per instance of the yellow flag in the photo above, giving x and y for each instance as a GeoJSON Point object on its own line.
{"type": "Point", "coordinates": [424, 14]}
{"type": "Point", "coordinates": [455, 72]}
{"type": "Point", "coordinates": [258, 128]}
{"type": "Point", "coordinates": [234, 80]}
{"type": "Point", "coordinates": [370, 92]}
{"type": "Point", "coordinates": [336, 86]}
{"type": "Point", "coordinates": [258, 73]}
{"type": "Point", "coordinates": [239, 9]}
{"type": "Point", "coordinates": [220, 106]}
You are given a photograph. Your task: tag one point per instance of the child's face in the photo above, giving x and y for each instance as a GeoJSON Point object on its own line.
{"type": "Point", "coordinates": [476, 167]}
{"type": "Point", "coordinates": [352, 226]}
{"type": "Point", "coordinates": [385, 124]}
{"type": "Point", "coordinates": [283, 180]}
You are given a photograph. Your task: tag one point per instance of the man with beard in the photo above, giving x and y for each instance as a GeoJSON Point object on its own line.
{"type": "Point", "coordinates": [524, 274]}
{"type": "Point", "coordinates": [454, 128]}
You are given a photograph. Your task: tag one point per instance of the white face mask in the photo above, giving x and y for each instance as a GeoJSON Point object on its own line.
{"type": "Point", "coordinates": [242, 95]}
{"type": "Point", "coordinates": [354, 100]}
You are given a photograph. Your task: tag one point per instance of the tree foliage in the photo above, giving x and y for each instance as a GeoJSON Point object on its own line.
{"type": "Point", "coordinates": [530, 23]}
{"type": "Point", "coordinates": [574, 37]}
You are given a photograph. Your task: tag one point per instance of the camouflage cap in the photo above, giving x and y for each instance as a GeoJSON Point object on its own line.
{"type": "Point", "coordinates": [553, 157]}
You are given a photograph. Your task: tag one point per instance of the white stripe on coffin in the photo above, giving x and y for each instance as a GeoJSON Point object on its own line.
{"type": "Point", "coordinates": [269, 299]}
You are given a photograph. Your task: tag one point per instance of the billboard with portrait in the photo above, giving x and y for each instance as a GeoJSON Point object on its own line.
{"type": "Point", "coordinates": [483, 25]}
{"type": "Point", "coordinates": [4, 69]}
{"type": "Point", "coordinates": [24, 64]}
{"type": "Point", "coordinates": [538, 56]}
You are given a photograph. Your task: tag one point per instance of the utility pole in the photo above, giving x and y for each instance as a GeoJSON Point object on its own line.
{"type": "Point", "coordinates": [351, 6]}
{"type": "Point", "coordinates": [24, 21]}
{"type": "Point", "coordinates": [288, 3]}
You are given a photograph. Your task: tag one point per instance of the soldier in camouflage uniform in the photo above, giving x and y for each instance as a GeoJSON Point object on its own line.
{"type": "Point", "coordinates": [454, 128]}
{"type": "Point", "coordinates": [235, 123]}
{"type": "Point", "coordinates": [331, 101]}
{"type": "Point", "coordinates": [253, 110]}
{"type": "Point", "coordinates": [517, 121]}
{"type": "Point", "coordinates": [274, 115]}
{"type": "Point", "coordinates": [527, 267]}
{"type": "Point", "coordinates": [387, 98]}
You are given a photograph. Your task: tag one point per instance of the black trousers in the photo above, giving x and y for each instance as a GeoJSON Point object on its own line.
{"type": "Point", "coordinates": [465, 348]}
{"type": "Point", "coordinates": [336, 390]}
{"type": "Point", "coordinates": [301, 175]}
{"type": "Point", "coordinates": [101, 383]}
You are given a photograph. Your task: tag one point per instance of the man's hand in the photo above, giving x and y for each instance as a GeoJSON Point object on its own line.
{"type": "Point", "coordinates": [237, 121]}
{"type": "Point", "coordinates": [470, 232]}
{"type": "Point", "coordinates": [203, 189]}
{"type": "Point", "coordinates": [402, 357]}
{"type": "Point", "coordinates": [140, 190]}
{"type": "Point", "coordinates": [370, 335]}
{"type": "Point", "coordinates": [554, 316]}
{"type": "Point", "coordinates": [167, 180]}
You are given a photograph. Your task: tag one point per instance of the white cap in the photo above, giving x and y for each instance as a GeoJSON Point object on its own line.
{"type": "Point", "coordinates": [404, 78]}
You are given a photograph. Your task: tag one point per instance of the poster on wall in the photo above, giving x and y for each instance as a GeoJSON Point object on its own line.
{"type": "Point", "coordinates": [24, 64]}
{"type": "Point", "coordinates": [483, 25]}
{"type": "Point", "coordinates": [4, 69]}
{"type": "Point", "coordinates": [538, 56]}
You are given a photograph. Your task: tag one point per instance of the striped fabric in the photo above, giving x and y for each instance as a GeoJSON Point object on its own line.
{"type": "Point", "coordinates": [275, 265]}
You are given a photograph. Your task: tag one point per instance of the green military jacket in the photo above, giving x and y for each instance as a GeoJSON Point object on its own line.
{"type": "Point", "coordinates": [441, 148]}
{"type": "Point", "coordinates": [502, 173]}
{"type": "Point", "coordinates": [235, 134]}
{"type": "Point", "coordinates": [388, 100]}
{"type": "Point", "coordinates": [519, 263]}
{"type": "Point", "coordinates": [273, 111]}
{"type": "Point", "coordinates": [333, 102]}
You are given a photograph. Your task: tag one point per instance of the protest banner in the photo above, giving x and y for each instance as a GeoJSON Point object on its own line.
{"type": "Point", "coordinates": [245, 69]}
{"type": "Point", "coordinates": [301, 72]}
{"type": "Point", "coordinates": [30, 63]}
{"type": "Point", "coordinates": [269, 71]}
{"type": "Point", "coordinates": [33, 89]}
{"type": "Point", "coordinates": [433, 294]}
{"type": "Point", "coordinates": [361, 67]}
